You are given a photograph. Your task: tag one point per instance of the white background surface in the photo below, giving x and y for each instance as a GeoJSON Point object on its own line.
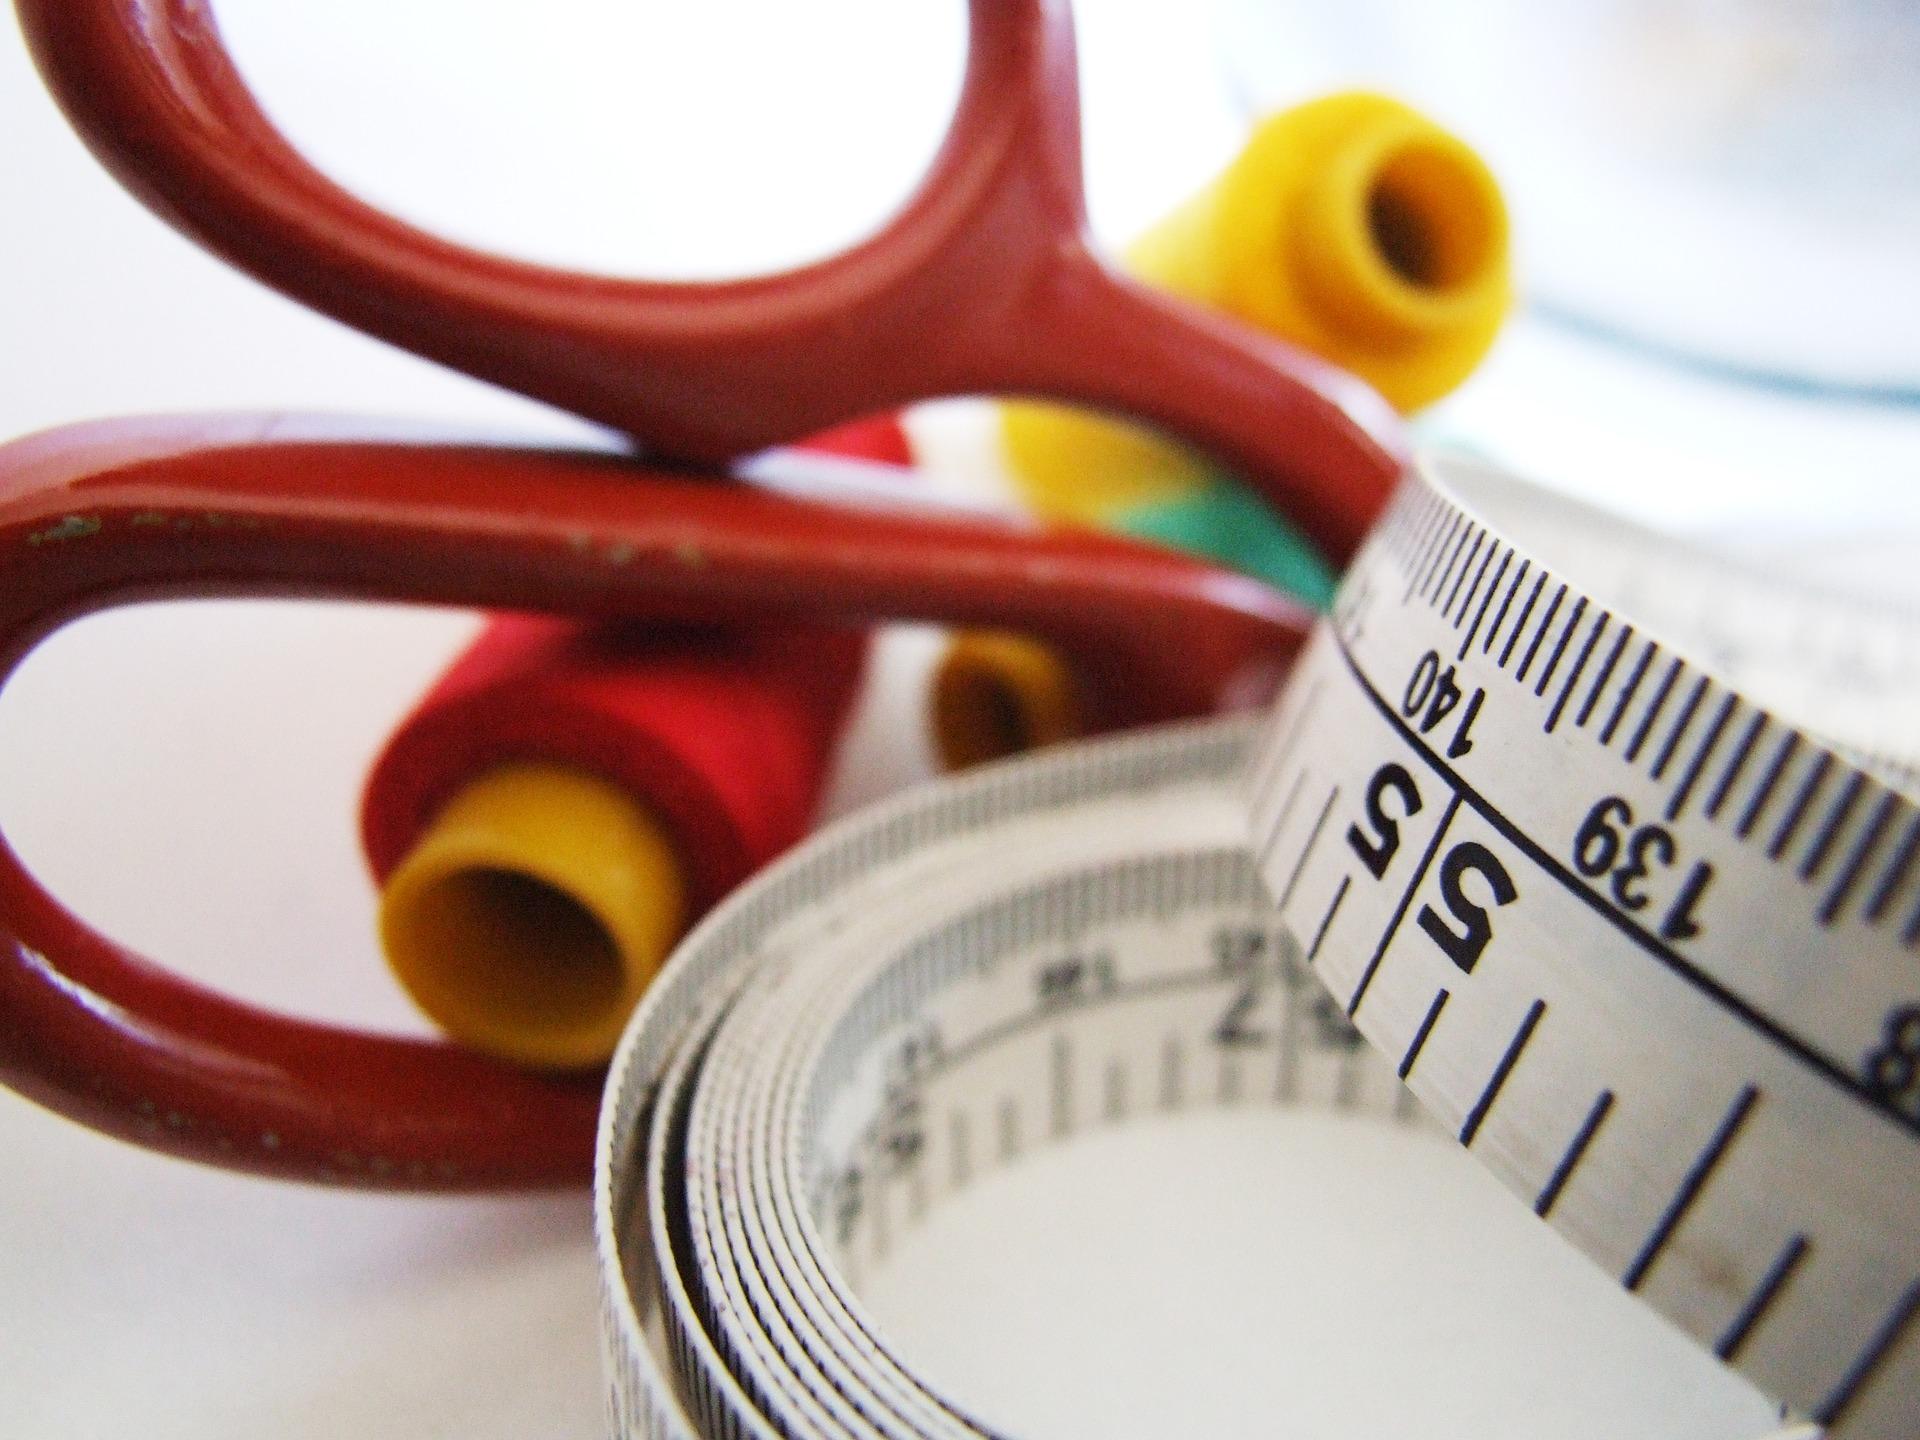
{"type": "Point", "coordinates": [185, 776]}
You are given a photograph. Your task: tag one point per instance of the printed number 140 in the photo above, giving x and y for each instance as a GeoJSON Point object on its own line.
{"type": "Point", "coordinates": [1432, 695]}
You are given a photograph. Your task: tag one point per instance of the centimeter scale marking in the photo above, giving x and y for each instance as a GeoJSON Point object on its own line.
{"type": "Point", "coordinates": [1821, 825]}
{"type": "Point", "coordinates": [1643, 948]}
{"type": "Point", "coordinates": [1833, 821]}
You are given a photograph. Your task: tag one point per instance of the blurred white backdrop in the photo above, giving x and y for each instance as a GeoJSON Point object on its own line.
{"type": "Point", "coordinates": [186, 775]}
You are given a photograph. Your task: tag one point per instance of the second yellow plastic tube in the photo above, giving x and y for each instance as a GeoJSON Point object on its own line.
{"type": "Point", "coordinates": [1352, 226]}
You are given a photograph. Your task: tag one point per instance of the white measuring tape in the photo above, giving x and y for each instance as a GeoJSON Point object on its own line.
{"type": "Point", "coordinates": [1650, 952]}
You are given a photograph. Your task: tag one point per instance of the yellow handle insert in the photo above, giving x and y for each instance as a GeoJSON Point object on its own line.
{"type": "Point", "coordinates": [530, 917]}
{"type": "Point", "coordinates": [1351, 226]}
{"type": "Point", "coordinates": [997, 694]}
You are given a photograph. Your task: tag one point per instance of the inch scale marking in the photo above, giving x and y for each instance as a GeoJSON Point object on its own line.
{"type": "Point", "coordinates": [1661, 1023]}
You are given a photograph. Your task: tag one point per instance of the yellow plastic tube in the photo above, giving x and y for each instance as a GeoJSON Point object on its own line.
{"type": "Point", "coordinates": [1350, 225]}
{"type": "Point", "coordinates": [533, 912]}
{"type": "Point", "coordinates": [997, 694]}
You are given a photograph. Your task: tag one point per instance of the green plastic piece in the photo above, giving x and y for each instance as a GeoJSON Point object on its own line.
{"type": "Point", "coordinates": [1227, 523]}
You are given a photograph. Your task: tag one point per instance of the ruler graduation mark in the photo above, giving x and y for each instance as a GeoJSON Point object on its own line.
{"type": "Point", "coordinates": [1594, 633]}
{"type": "Point", "coordinates": [1479, 539]}
{"type": "Point", "coordinates": [1837, 816]}
{"type": "Point", "coordinates": [1405, 517]}
{"type": "Point", "coordinates": [1679, 730]}
{"type": "Point", "coordinates": [1757, 806]}
{"type": "Point", "coordinates": [987, 1039]}
{"type": "Point", "coordinates": [1797, 811]}
{"type": "Point", "coordinates": [1416, 544]}
{"type": "Point", "coordinates": [1404, 524]}
{"type": "Point", "coordinates": [1546, 622]}
{"type": "Point", "coordinates": [1600, 680]}
{"type": "Point", "coordinates": [1627, 691]}
{"type": "Point", "coordinates": [1313, 838]}
{"type": "Point", "coordinates": [1703, 752]}
{"type": "Point", "coordinates": [1486, 561]}
{"type": "Point", "coordinates": [1286, 808]}
{"type": "Point", "coordinates": [1431, 592]}
{"type": "Point", "coordinates": [1834, 1408]}
{"type": "Point", "coordinates": [1770, 1288]}
{"type": "Point", "coordinates": [1419, 1041]}
{"type": "Point", "coordinates": [1910, 932]}
{"type": "Point", "coordinates": [1896, 870]}
{"type": "Point", "coordinates": [1506, 559]}
{"type": "Point", "coordinates": [1416, 521]}
{"type": "Point", "coordinates": [1446, 561]}
{"type": "Point", "coordinates": [1497, 1082]}
{"type": "Point", "coordinates": [1519, 577]}
{"type": "Point", "coordinates": [1730, 775]}
{"type": "Point", "coordinates": [1408, 534]}
{"type": "Point", "coordinates": [1275, 759]}
{"type": "Point", "coordinates": [1691, 1184]}
{"type": "Point", "coordinates": [1654, 707]}
{"type": "Point", "coordinates": [1326, 921]}
{"type": "Point", "coordinates": [1856, 863]}
{"type": "Point", "coordinates": [1434, 536]}
{"type": "Point", "coordinates": [1520, 625]}
{"type": "Point", "coordinates": [1553, 660]}
{"type": "Point", "coordinates": [1575, 1152]}
{"type": "Point", "coordinates": [1455, 529]}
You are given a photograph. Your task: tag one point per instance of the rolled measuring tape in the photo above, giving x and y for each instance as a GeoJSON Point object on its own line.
{"type": "Point", "coordinates": [1644, 947]}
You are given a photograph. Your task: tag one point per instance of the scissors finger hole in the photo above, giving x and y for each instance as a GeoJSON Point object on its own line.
{"type": "Point", "coordinates": [183, 775]}
{"type": "Point", "coordinates": [666, 141]}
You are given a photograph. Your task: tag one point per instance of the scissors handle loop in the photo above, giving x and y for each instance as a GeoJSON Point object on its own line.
{"type": "Point", "coordinates": [122, 511]}
{"type": "Point", "coordinates": [983, 282]}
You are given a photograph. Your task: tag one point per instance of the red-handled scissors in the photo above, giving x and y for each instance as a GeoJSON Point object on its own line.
{"type": "Point", "coordinates": [984, 282]}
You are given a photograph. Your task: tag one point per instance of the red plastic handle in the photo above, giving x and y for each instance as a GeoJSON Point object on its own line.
{"type": "Point", "coordinates": [984, 282]}
{"type": "Point", "coordinates": [122, 511]}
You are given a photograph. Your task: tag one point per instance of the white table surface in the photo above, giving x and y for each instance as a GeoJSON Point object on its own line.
{"type": "Point", "coordinates": [144, 755]}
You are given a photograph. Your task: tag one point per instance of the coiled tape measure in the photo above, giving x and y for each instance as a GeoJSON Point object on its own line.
{"type": "Point", "coordinates": [1647, 949]}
